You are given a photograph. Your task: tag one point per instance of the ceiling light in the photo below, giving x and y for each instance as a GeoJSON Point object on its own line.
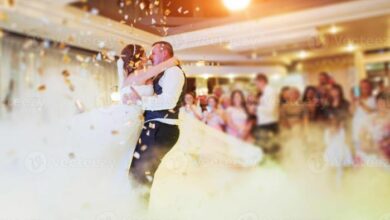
{"type": "Point", "coordinates": [236, 5]}
{"type": "Point", "coordinates": [334, 29]}
{"type": "Point", "coordinates": [302, 54]}
{"type": "Point", "coordinates": [200, 63]}
{"type": "Point", "coordinates": [351, 47]}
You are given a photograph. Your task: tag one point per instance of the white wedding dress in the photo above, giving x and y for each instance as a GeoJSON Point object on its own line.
{"type": "Point", "coordinates": [77, 167]}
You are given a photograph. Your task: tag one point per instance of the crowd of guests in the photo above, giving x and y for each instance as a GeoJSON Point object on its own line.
{"type": "Point", "coordinates": [353, 127]}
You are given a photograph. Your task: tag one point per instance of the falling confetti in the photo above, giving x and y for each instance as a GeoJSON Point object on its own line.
{"type": "Point", "coordinates": [137, 155]}
{"type": "Point", "coordinates": [144, 147]}
{"type": "Point", "coordinates": [71, 155]}
{"type": "Point", "coordinates": [186, 12]}
{"type": "Point", "coordinates": [101, 44]}
{"type": "Point", "coordinates": [9, 3]}
{"type": "Point", "coordinates": [66, 58]}
{"type": "Point", "coordinates": [65, 73]}
{"type": "Point", "coordinates": [79, 106]}
{"type": "Point", "coordinates": [41, 88]}
{"type": "Point", "coordinates": [167, 12]}
{"type": "Point", "coordinates": [142, 5]}
{"type": "Point", "coordinates": [180, 9]}
{"type": "Point", "coordinates": [3, 16]}
{"type": "Point", "coordinates": [114, 132]}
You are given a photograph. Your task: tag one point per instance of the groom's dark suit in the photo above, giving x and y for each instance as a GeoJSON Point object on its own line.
{"type": "Point", "coordinates": [160, 132]}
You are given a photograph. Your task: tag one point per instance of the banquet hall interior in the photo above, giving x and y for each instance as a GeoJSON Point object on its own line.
{"type": "Point", "coordinates": [286, 109]}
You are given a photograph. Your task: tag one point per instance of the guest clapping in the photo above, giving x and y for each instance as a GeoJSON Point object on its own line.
{"type": "Point", "coordinates": [213, 116]}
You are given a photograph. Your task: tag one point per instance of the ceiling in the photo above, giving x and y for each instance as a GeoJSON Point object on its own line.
{"type": "Point", "coordinates": [168, 17]}
{"type": "Point", "coordinates": [270, 36]}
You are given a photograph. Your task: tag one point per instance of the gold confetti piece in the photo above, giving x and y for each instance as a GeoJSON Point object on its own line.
{"type": "Point", "coordinates": [136, 155]}
{"type": "Point", "coordinates": [153, 21]}
{"type": "Point", "coordinates": [3, 16]}
{"type": "Point", "coordinates": [197, 8]}
{"type": "Point", "coordinates": [128, 2]}
{"type": "Point", "coordinates": [65, 73]}
{"type": "Point", "coordinates": [180, 9]}
{"type": "Point", "coordinates": [139, 141]}
{"type": "Point", "coordinates": [157, 2]}
{"type": "Point", "coordinates": [41, 88]}
{"type": "Point", "coordinates": [142, 5]}
{"type": "Point", "coordinates": [149, 178]}
{"type": "Point", "coordinates": [71, 155]}
{"type": "Point", "coordinates": [40, 71]}
{"type": "Point", "coordinates": [186, 12]}
{"type": "Point", "coordinates": [9, 3]}
{"type": "Point", "coordinates": [144, 147]}
{"type": "Point", "coordinates": [66, 58]}
{"type": "Point", "coordinates": [114, 132]}
{"type": "Point", "coordinates": [79, 106]}
{"type": "Point", "coordinates": [147, 172]}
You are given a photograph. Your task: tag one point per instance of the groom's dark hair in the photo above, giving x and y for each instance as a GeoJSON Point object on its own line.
{"type": "Point", "coordinates": [166, 45]}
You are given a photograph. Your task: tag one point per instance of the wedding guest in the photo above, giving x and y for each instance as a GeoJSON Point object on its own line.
{"type": "Point", "coordinates": [217, 92]}
{"type": "Point", "coordinates": [213, 116]}
{"type": "Point", "coordinates": [362, 106]}
{"type": "Point", "coordinates": [236, 115]}
{"type": "Point", "coordinates": [375, 133]}
{"type": "Point", "coordinates": [251, 106]}
{"type": "Point", "coordinates": [190, 107]}
{"type": "Point", "coordinates": [267, 115]}
{"type": "Point", "coordinates": [338, 104]}
{"type": "Point", "coordinates": [337, 153]}
{"type": "Point", "coordinates": [292, 111]}
{"type": "Point", "coordinates": [311, 101]}
{"type": "Point", "coordinates": [224, 102]}
{"type": "Point", "coordinates": [283, 95]}
{"type": "Point", "coordinates": [325, 82]}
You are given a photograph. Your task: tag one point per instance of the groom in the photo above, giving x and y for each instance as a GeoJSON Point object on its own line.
{"type": "Point", "coordinates": [160, 132]}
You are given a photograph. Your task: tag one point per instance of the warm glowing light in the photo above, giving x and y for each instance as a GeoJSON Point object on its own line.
{"type": "Point", "coordinates": [302, 54]}
{"type": "Point", "coordinates": [115, 96]}
{"type": "Point", "coordinates": [334, 29]}
{"type": "Point", "coordinates": [236, 5]}
{"type": "Point", "coordinates": [205, 76]}
{"type": "Point", "coordinates": [200, 63]}
{"type": "Point", "coordinates": [351, 47]}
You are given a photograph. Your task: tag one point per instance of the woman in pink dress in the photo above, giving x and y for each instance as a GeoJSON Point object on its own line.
{"type": "Point", "coordinates": [237, 116]}
{"type": "Point", "coordinates": [214, 116]}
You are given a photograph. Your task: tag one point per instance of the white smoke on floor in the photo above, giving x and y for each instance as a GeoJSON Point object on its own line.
{"type": "Point", "coordinates": [43, 176]}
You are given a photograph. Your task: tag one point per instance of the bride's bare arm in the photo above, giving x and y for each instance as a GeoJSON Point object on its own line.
{"type": "Point", "coordinates": [143, 75]}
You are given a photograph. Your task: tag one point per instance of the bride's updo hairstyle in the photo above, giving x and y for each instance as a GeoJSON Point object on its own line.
{"type": "Point", "coordinates": [131, 56]}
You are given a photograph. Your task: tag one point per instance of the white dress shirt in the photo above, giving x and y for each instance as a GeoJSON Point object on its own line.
{"type": "Point", "coordinates": [172, 83]}
{"type": "Point", "coordinates": [267, 110]}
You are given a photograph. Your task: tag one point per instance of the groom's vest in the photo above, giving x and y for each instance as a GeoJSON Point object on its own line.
{"type": "Point", "coordinates": [169, 113]}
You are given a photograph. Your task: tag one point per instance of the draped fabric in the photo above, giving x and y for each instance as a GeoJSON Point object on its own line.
{"type": "Point", "coordinates": [27, 62]}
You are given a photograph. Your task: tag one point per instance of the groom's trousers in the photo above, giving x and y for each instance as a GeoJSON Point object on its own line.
{"type": "Point", "coordinates": [155, 141]}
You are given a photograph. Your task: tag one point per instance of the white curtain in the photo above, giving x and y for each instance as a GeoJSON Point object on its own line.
{"type": "Point", "coordinates": [29, 63]}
